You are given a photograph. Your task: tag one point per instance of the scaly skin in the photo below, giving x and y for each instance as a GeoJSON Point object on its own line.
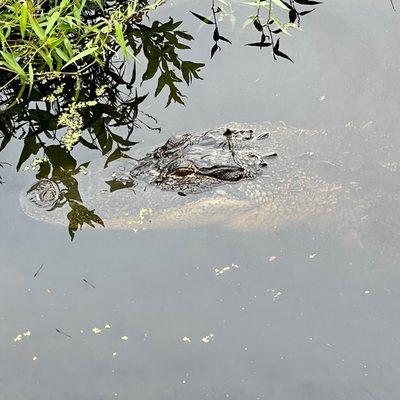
{"type": "Point", "coordinates": [312, 182]}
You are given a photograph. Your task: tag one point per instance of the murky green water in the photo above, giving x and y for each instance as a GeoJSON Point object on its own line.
{"type": "Point", "coordinates": [308, 314]}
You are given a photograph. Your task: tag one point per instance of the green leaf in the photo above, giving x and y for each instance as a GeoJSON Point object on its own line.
{"type": "Point", "coordinates": [119, 37]}
{"type": "Point", "coordinates": [68, 47]}
{"type": "Point", "coordinates": [81, 55]}
{"type": "Point", "coordinates": [62, 54]}
{"type": "Point", "coordinates": [12, 63]}
{"type": "Point", "coordinates": [52, 20]}
{"type": "Point", "coordinates": [36, 28]}
{"type": "Point", "coordinates": [23, 19]}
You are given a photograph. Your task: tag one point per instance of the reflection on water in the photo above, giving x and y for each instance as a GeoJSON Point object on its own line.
{"type": "Point", "coordinates": [307, 311]}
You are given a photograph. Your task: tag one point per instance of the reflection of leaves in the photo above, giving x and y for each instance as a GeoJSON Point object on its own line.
{"type": "Point", "coordinates": [202, 19]}
{"type": "Point", "coordinates": [117, 154]}
{"type": "Point", "coordinates": [31, 147]}
{"type": "Point", "coordinates": [307, 2]}
{"type": "Point", "coordinates": [190, 71]}
{"type": "Point", "coordinates": [278, 53]}
{"type": "Point", "coordinates": [118, 185]}
{"type": "Point", "coordinates": [44, 119]}
{"type": "Point", "coordinates": [216, 34]}
{"type": "Point", "coordinates": [60, 157]}
{"type": "Point", "coordinates": [80, 215]}
{"type": "Point", "coordinates": [214, 49]}
{"type": "Point", "coordinates": [44, 170]}
{"type": "Point", "coordinates": [7, 137]}
{"type": "Point", "coordinates": [259, 44]}
{"type": "Point", "coordinates": [122, 141]}
{"type": "Point", "coordinates": [71, 184]}
{"type": "Point", "coordinates": [160, 45]}
{"type": "Point", "coordinates": [2, 164]}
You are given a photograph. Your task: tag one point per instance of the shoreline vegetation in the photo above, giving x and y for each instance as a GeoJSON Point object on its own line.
{"type": "Point", "coordinates": [45, 39]}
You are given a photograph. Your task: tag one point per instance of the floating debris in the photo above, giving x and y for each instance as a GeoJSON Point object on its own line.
{"type": "Point", "coordinates": [63, 333]}
{"type": "Point", "coordinates": [115, 353]}
{"type": "Point", "coordinates": [272, 258]}
{"type": "Point", "coordinates": [186, 339]}
{"type": "Point", "coordinates": [312, 255]}
{"type": "Point", "coordinates": [367, 292]}
{"type": "Point", "coordinates": [89, 283]}
{"type": "Point", "coordinates": [34, 358]}
{"type": "Point", "coordinates": [142, 215]}
{"type": "Point", "coordinates": [18, 338]}
{"type": "Point", "coordinates": [49, 291]}
{"type": "Point", "coordinates": [271, 155]}
{"type": "Point", "coordinates": [208, 338]}
{"type": "Point", "coordinates": [96, 330]}
{"type": "Point", "coordinates": [391, 166]}
{"type": "Point", "coordinates": [38, 271]}
{"type": "Point", "coordinates": [107, 326]}
{"type": "Point", "coordinates": [124, 338]}
{"type": "Point", "coordinates": [322, 98]}
{"type": "Point", "coordinates": [222, 270]}
{"type": "Point", "coordinates": [276, 294]}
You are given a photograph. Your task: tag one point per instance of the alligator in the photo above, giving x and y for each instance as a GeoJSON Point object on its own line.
{"type": "Point", "coordinates": [246, 177]}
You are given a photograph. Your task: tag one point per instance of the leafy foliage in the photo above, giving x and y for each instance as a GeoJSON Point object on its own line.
{"type": "Point", "coordinates": [64, 81]}
{"type": "Point", "coordinates": [41, 38]}
{"type": "Point", "coordinates": [268, 26]}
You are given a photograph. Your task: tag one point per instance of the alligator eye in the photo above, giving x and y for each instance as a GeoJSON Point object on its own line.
{"type": "Point", "coordinates": [44, 193]}
{"type": "Point", "coordinates": [182, 171]}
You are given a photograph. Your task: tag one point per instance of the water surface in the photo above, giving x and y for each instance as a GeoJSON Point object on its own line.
{"type": "Point", "coordinates": [307, 315]}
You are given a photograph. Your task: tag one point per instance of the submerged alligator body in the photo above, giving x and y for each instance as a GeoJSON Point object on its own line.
{"type": "Point", "coordinates": [229, 177]}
